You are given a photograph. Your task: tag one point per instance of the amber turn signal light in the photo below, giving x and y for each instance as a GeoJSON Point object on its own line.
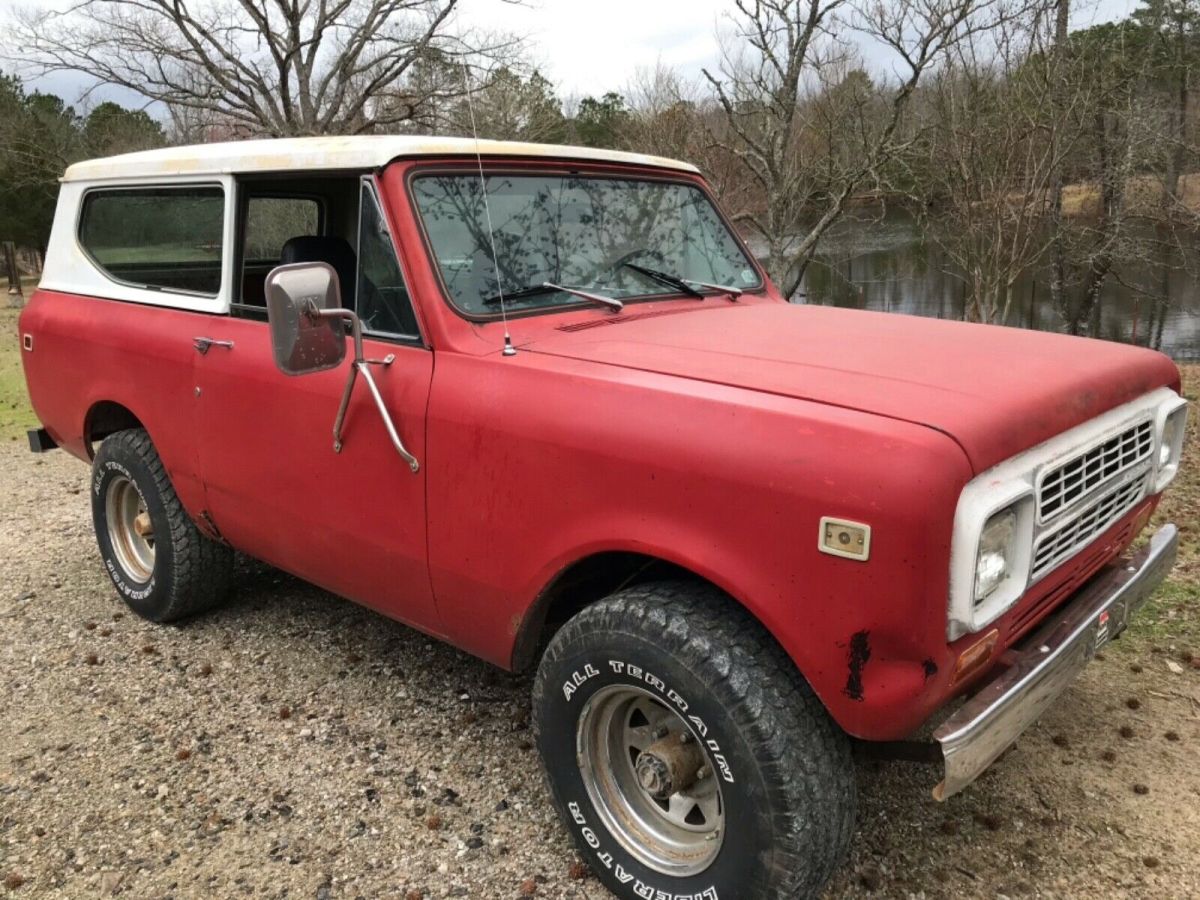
{"type": "Point", "coordinates": [975, 657]}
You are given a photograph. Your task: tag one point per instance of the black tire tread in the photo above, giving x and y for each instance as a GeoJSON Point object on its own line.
{"type": "Point", "coordinates": [203, 567]}
{"type": "Point", "coordinates": [790, 730]}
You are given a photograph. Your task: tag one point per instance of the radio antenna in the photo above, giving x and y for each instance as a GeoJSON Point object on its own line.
{"type": "Point", "coordinates": [509, 349]}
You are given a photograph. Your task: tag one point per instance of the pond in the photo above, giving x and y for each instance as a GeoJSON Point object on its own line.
{"type": "Point", "coordinates": [884, 264]}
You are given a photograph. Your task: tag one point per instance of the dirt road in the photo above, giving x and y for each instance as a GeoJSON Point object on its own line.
{"type": "Point", "coordinates": [295, 745]}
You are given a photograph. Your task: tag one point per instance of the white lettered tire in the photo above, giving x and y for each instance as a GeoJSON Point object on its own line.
{"type": "Point", "coordinates": [687, 756]}
{"type": "Point", "coordinates": [159, 562]}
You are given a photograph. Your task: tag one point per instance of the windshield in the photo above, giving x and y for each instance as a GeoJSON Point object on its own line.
{"type": "Point", "coordinates": [575, 231]}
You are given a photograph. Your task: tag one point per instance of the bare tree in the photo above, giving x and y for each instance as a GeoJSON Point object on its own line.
{"type": "Point", "coordinates": [985, 170]}
{"type": "Point", "coordinates": [1060, 57]}
{"type": "Point", "coordinates": [786, 53]}
{"type": "Point", "coordinates": [510, 107]}
{"type": "Point", "coordinates": [274, 67]}
{"type": "Point", "coordinates": [1109, 216]}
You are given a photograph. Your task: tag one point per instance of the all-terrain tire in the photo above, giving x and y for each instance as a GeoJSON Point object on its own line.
{"type": "Point", "coordinates": [187, 572]}
{"type": "Point", "coordinates": [784, 768]}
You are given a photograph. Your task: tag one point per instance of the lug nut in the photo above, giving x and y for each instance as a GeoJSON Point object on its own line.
{"type": "Point", "coordinates": [685, 738]}
{"type": "Point", "coordinates": [702, 773]}
{"type": "Point", "coordinates": [660, 732]}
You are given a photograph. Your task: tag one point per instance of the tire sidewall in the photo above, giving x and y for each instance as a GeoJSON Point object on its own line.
{"type": "Point", "coordinates": [574, 676]}
{"type": "Point", "coordinates": [144, 597]}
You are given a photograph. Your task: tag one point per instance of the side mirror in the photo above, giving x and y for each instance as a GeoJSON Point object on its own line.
{"type": "Point", "coordinates": [308, 334]}
{"type": "Point", "coordinates": [303, 340]}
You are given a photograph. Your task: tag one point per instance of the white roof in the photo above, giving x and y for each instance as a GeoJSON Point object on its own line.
{"type": "Point", "coordinates": [353, 153]}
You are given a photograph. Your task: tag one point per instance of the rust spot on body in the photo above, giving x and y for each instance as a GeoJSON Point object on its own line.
{"type": "Point", "coordinates": [856, 659]}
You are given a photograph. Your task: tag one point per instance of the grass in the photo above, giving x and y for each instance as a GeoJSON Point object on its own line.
{"type": "Point", "coordinates": [1143, 196]}
{"type": "Point", "coordinates": [15, 415]}
{"type": "Point", "coordinates": [1173, 617]}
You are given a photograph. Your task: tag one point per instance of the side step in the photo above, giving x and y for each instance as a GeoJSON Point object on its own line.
{"type": "Point", "coordinates": [40, 441]}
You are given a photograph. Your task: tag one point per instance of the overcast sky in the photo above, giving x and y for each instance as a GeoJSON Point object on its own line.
{"type": "Point", "coordinates": [592, 46]}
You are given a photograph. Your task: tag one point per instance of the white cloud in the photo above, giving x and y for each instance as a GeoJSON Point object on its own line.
{"type": "Point", "coordinates": [588, 47]}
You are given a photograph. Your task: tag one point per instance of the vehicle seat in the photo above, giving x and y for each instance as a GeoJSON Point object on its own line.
{"type": "Point", "coordinates": [330, 249]}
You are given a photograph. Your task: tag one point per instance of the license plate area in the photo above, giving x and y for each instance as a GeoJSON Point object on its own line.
{"type": "Point", "coordinates": [1109, 624]}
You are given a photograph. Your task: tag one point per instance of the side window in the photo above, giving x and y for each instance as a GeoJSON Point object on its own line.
{"type": "Point", "coordinates": [383, 302]}
{"type": "Point", "coordinates": [162, 238]}
{"type": "Point", "coordinates": [269, 223]}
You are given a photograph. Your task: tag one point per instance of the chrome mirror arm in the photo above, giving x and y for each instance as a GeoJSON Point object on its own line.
{"type": "Point", "coordinates": [343, 406]}
{"type": "Point", "coordinates": [363, 366]}
{"type": "Point", "coordinates": [387, 419]}
{"type": "Point", "coordinates": [346, 315]}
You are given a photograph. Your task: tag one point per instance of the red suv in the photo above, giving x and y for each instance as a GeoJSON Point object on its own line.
{"type": "Point", "coordinates": [729, 532]}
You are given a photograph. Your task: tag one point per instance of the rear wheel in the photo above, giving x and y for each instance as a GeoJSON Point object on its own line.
{"type": "Point", "coordinates": [160, 563]}
{"type": "Point", "coordinates": [687, 755]}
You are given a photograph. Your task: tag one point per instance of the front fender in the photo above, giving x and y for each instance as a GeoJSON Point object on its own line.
{"type": "Point", "coordinates": [539, 461]}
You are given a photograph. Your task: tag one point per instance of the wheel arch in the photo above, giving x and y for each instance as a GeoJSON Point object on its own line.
{"type": "Point", "coordinates": [105, 417]}
{"type": "Point", "coordinates": [593, 576]}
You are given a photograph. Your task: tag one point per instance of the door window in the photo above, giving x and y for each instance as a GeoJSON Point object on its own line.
{"type": "Point", "coordinates": [271, 221]}
{"type": "Point", "coordinates": [383, 301]}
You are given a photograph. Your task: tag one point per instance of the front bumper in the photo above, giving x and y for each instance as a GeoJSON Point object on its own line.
{"type": "Point", "coordinates": [1048, 661]}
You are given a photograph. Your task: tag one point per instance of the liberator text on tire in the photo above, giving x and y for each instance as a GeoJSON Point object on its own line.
{"type": "Point", "coordinates": [688, 757]}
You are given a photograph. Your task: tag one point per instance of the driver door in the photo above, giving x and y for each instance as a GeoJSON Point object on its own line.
{"type": "Point", "coordinates": [352, 521]}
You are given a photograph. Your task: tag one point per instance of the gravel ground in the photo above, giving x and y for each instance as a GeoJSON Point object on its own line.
{"type": "Point", "coordinates": [295, 745]}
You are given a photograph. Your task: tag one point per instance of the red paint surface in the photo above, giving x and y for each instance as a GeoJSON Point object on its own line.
{"type": "Point", "coordinates": [713, 436]}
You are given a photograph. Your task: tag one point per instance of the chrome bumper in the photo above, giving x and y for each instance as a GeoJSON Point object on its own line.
{"type": "Point", "coordinates": [1048, 661]}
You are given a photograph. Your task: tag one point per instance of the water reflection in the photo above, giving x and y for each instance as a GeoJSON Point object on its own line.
{"type": "Point", "coordinates": [885, 265]}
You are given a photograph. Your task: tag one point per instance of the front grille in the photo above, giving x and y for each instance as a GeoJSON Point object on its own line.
{"type": "Point", "coordinates": [1070, 483]}
{"type": "Point", "coordinates": [1055, 546]}
{"type": "Point", "coordinates": [1082, 567]}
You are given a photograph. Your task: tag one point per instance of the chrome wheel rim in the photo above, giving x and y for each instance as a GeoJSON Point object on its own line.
{"type": "Point", "coordinates": [129, 528]}
{"type": "Point", "coordinates": [651, 780]}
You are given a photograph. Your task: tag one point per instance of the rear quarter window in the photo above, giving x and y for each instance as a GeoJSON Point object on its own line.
{"type": "Point", "coordinates": [162, 238]}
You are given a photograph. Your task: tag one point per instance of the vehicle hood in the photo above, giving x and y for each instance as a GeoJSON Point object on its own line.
{"type": "Point", "coordinates": [995, 390]}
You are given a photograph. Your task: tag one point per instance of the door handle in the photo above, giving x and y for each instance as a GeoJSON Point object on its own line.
{"type": "Point", "coordinates": [203, 343]}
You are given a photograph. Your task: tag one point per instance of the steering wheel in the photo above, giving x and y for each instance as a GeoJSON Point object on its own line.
{"type": "Point", "coordinates": [611, 272]}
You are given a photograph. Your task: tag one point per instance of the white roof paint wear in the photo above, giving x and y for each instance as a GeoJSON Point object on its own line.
{"type": "Point", "coordinates": [359, 152]}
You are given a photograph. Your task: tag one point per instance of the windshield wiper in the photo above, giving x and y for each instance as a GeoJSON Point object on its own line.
{"type": "Point", "coordinates": [532, 291]}
{"type": "Point", "coordinates": [665, 278]}
{"type": "Point", "coordinates": [733, 292]}
{"type": "Point", "coordinates": [687, 285]}
{"type": "Point", "coordinates": [547, 287]}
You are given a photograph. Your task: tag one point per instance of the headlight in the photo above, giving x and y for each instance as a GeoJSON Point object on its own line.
{"type": "Point", "coordinates": [1170, 445]}
{"type": "Point", "coordinates": [995, 530]}
{"type": "Point", "coordinates": [998, 524]}
{"type": "Point", "coordinates": [994, 560]}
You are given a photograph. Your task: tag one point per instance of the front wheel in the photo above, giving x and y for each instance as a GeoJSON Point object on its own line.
{"type": "Point", "coordinates": [687, 756]}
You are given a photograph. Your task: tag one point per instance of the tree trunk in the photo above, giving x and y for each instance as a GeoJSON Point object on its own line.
{"type": "Point", "coordinates": [1179, 124]}
{"type": "Point", "coordinates": [16, 298]}
{"type": "Point", "coordinates": [1058, 262]}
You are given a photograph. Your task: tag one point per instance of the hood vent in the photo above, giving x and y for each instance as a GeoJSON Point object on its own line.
{"type": "Point", "coordinates": [619, 318]}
